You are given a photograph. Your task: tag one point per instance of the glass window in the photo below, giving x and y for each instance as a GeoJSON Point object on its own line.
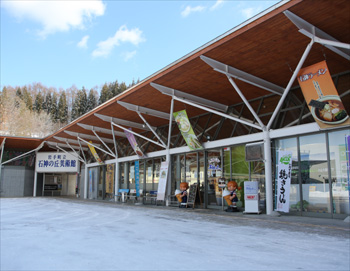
{"type": "Point", "coordinates": [339, 170]}
{"type": "Point", "coordinates": [314, 174]}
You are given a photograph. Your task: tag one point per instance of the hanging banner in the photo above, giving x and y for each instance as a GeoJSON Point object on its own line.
{"type": "Point", "coordinates": [137, 178]}
{"type": "Point", "coordinates": [162, 180]}
{"type": "Point", "coordinates": [94, 153]}
{"type": "Point", "coordinates": [185, 127]}
{"type": "Point", "coordinates": [322, 97]}
{"type": "Point", "coordinates": [283, 181]}
{"type": "Point", "coordinates": [110, 179]}
{"type": "Point", "coordinates": [133, 143]}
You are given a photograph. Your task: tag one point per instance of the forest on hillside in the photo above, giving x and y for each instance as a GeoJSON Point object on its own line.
{"type": "Point", "coordinates": [37, 111]}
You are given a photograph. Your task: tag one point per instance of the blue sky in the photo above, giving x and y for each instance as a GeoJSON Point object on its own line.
{"type": "Point", "coordinates": [88, 43]}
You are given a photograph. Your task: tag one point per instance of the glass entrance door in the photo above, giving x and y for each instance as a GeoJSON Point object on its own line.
{"type": "Point", "coordinates": [214, 172]}
{"type": "Point", "coordinates": [314, 174]}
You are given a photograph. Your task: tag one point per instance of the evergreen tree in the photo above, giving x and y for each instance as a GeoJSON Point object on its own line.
{"type": "Point", "coordinates": [80, 104]}
{"type": "Point", "coordinates": [47, 104]}
{"type": "Point", "coordinates": [38, 102]}
{"type": "Point", "coordinates": [53, 110]}
{"type": "Point", "coordinates": [83, 105]}
{"type": "Point", "coordinates": [27, 98]}
{"type": "Point", "coordinates": [62, 112]}
{"type": "Point", "coordinates": [104, 94]}
{"type": "Point", "coordinates": [92, 101]}
{"type": "Point", "coordinates": [19, 93]}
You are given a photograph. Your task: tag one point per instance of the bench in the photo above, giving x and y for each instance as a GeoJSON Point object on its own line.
{"type": "Point", "coordinates": [132, 195]}
{"type": "Point", "coordinates": [122, 195]}
{"type": "Point", "coordinates": [151, 196]}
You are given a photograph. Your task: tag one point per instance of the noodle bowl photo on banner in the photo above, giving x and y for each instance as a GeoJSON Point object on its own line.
{"type": "Point", "coordinates": [322, 97]}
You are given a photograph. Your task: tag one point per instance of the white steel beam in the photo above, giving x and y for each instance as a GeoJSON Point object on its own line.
{"type": "Point", "coordinates": [243, 76]}
{"type": "Point", "coordinates": [123, 122]}
{"type": "Point", "coordinates": [145, 110]}
{"type": "Point", "coordinates": [54, 144]}
{"type": "Point", "coordinates": [24, 154]}
{"type": "Point", "coordinates": [317, 35]}
{"type": "Point", "coordinates": [295, 73]}
{"type": "Point", "coordinates": [101, 130]}
{"type": "Point", "coordinates": [195, 99]}
{"type": "Point", "coordinates": [193, 103]}
{"type": "Point", "coordinates": [130, 131]}
{"type": "Point", "coordinates": [95, 146]}
{"type": "Point", "coordinates": [65, 146]}
{"type": "Point", "coordinates": [246, 101]}
{"type": "Point", "coordinates": [67, 140]}
{"type": "Point", "coordinates": [103, 143]}
{"type": "Point", "coordinates": [88, 136]}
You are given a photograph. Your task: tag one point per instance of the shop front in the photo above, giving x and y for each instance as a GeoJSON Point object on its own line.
{"type": "Point", "coordinates": [319, 184]}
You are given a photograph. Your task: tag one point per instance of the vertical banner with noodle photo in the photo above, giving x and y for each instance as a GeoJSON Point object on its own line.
{"type": "Point", "coordinates": [322, 97]}
{"type": "Point", "coordinates": [94, 153]}
{"type": "Point", "coordinates": [133, 143]}
{"type": "Point", "coordinates": [185, 127]}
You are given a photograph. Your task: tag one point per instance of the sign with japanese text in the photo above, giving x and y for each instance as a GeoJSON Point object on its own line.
{"type": "Point", "coordinates": [56, 162]}
{"type": "Point", "coordinates": [162, 180]}
{"type": "Point", "coordinates": [322, 97]}
{"type": "Point", "coordinates": [283, 181]}
{"type": "Point", "coordinates": [185, 127]}
{"type": "Point", "coordinates": [110, 178]}
{"type": "Point", "coordinates": [134, 144]}
{"type": "Point", "coordinates": [94, 153]}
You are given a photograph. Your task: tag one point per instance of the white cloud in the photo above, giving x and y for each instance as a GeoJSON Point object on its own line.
{"type": "Point", "coordinates": [128, 55]}
{"type": "Point", "coordinates": [250, 12]}
{"type": "Point", "coordinates": [188, 10]}
{"type": "Point", "coordinates": [55, 16]}
{"type": "Point", "coordinates": [133, 36]}
{"type": "Point", "coordinates": [83, 42]}
{"type": "Point", "coordinates": [217, 4]}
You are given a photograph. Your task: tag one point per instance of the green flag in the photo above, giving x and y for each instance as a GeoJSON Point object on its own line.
{"type": "Point", "coordinates": [186, 130]}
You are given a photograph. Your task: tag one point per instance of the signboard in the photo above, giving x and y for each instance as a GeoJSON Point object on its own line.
{"type": "Point", "coordinates": [322, 97]}
{"type": "Point", "coordinates": [254, 152]}
{"type": "Point", "coordinates": [162, 180]}
{"type": "Point", "coordinates": [56, 162]}
{"type": "Point", "coordinates": [133, 143]}
{"type": "Point", "coordinates": [194, 195]}
{"type": "Point", "coordinates": [94, 153]}
{"type": "Point", "coordinates": [185, 127]}
{"type": "Point", "coordinates": [283, 181]}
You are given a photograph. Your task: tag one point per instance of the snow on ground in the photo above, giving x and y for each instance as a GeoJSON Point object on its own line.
{"type": "Point", "coordinates": [55, 234]}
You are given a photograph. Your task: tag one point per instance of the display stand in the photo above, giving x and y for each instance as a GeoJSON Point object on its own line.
{"type": "Point", "coordinates": [193, 195]}
{"type": "Point", "coordinates": [251, 197]}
